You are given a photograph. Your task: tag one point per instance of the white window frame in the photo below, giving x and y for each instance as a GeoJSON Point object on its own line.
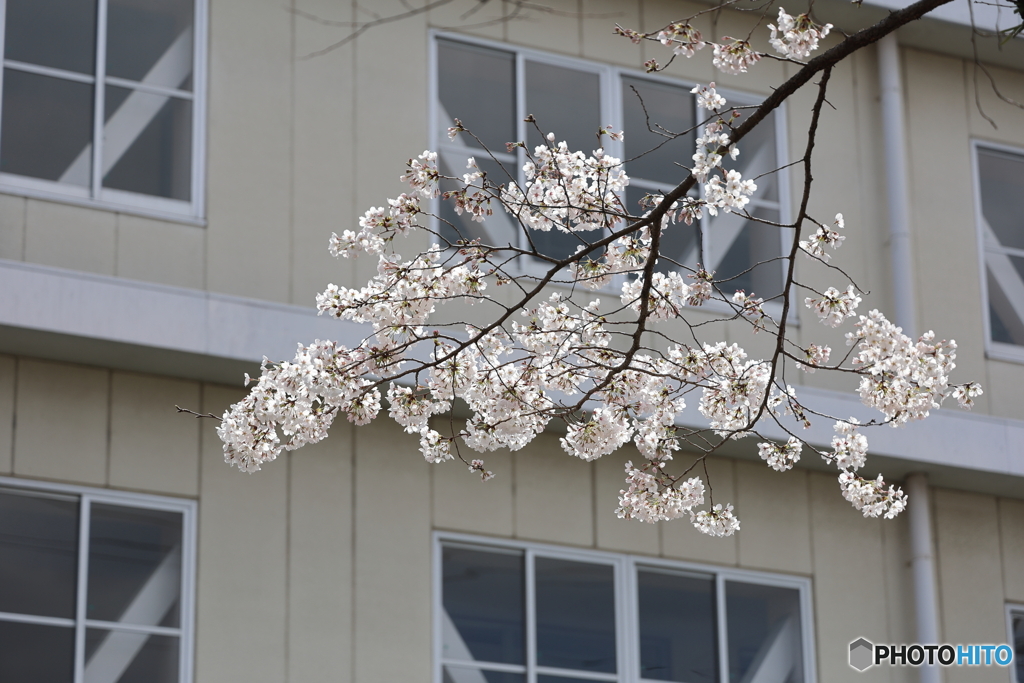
{"type": "Point", "coordinates": [611, 102]}
{"type": "Point", "coordinates": [627, 631]}
{"type": "Point", "coordinates": [1012, 610]}
{"type": "Point", "coordinates": [184, 632]}
{"type": "Point", "coordinates": [96, 196]}
{"type": "Point", "coordinates": [993, 349]}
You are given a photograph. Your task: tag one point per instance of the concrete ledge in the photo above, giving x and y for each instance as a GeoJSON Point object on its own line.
{"type": "Point", "coordinates": [115, 322]}
{"type": "Point", "coordinates": [118, 323]}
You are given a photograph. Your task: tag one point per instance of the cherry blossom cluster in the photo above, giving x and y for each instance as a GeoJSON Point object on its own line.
{"type": "Point", "coordinates": [815, 356]}
{"type": "Point", "coordinates": [402, 296]}
{"type": "Point", "coordinates": [682, 38]}
{"type": "Point", "coordinates": [793, 37]}
{"type": "Point", "coordinates": [723, 189]}
{"type": "Point", "coordinates": [708, 97]}
{"type": "Point", "coordinates": [567, 190]}
{"type": "Point", "coordinates": [871, 496]}
{"type": "Point", "coordinates": [799, 35]}
{"type": "Point", "coordinates": [378, 227]}
{"type": "Point", "coordinates": [903, 379]}
{"type": "Point", "coordinates": [824, 237]}
{"type": "Point", "coordinates": [734, 56]}
{"type": "Point", "coordinates": [300, 400]}
{"type": "Point", "coordinates": [752, 308]}
{"type": "Point", "coordinates": [850, 447]}
{"type": "Point", "coordinates": [833, 307]}
{"type": "Point", "coordinates": [652, 497]}
{"type": "Point", "coordinates": [736, 390]}
{"type": "Point", "coordinates": [718, 521]}
{"type": "Point", "coordinates": [668, 295]}
{"type": "Point", "coordinates": [708, 155]}
{"type": "Point", "coordinates": [477, 466]}
{"type": "Point", "coordinates": [781, 457]}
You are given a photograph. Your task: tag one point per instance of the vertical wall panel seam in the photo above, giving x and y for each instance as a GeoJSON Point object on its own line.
{"type": "Point", "coordinates": [196, 585]}
{"type": "Point", "coordinates": [110, 426]}
{"type": "Point", "coordinates": [513, 472]}
{"type": "Point", "coordinates": [579, 27]}
{"type": "Point", "coordinates": [593, 505]}
{"type": "Point", "coordinates": [291, 152]}
{"type": "Point", "coordinates": [24, 228]}
{"type": "Point", "coordinates": [289, 497]}
{"type": "Point", "coordinates": [353, 196]}
{"type": "Point", "coordinates": [738, 503]}
{"type": "Point", "coordinates": [1002, 550]}
{"type": "Point", "coordinates": [288, 500]}
{"type": "Point", "coordinates": [117, 244]}
{"type": "Point", "coordinates": [352, 551]}
{"type": "Point", "coordinates": [14, 413]}
{"type": "Point", "coordinates": [814, 584]}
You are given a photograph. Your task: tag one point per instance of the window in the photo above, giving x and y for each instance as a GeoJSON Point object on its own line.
{"type": "Point", "coordinates": [1015, 620]}
{"type": "Point", "coordinates": [518, 613]}
{"type": "Point", "coordinates": [101, 103]}
{"type": "Point", "coordinates": [95, 586]}
{"type": "Point", "coordinates": [1000, 181]}
{"type": "Point", "coordinates": [491, 89]}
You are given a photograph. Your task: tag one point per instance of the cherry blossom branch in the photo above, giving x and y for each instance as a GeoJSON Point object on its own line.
{"type": "Point", "coordinates": [602, 372]}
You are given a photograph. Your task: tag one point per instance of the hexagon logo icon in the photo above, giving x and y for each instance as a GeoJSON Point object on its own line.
{"type": "Point", "coordinates": [861, 654]}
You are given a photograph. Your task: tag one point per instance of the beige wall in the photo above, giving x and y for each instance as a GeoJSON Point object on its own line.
{"type": "Point", "coordinates": [318, 568]}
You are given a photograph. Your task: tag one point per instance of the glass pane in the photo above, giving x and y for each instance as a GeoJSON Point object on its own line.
{"type": "Point", "coordinates": [55, 33]}
{"type": "Point", "coordinates": [120, 657]}
{"type": "Point", "coordinates": [764, 633]}
{"type": "Point", "coordinates": [499, 229]}
{"type": "Point", "coordinates": [461, 674]}
{"type": "Point", "coordinates": [148, 144]}
{"type": "Point", "coordinates": [38, 554]}
{"type": "Point", "coordinates": [1001, 177]}
{"type": "Point", "coordinates": [134, 565]}
{"type": "Point", "coordinates": [746, 243]}
{"type": "Point", "coordinates": [669, 108]}
{"type": "Point", "coordinates": [47, 128]}
{"type": "Point", "coordinates": [31, 652]}
{"type": "Point", "coordinates": [564, 101]}
{"type": "Point", "coordinates": [568, 103]}
{"type": "Point", "coordinates": [680, 243]}
{"type": "Point", "coordinates": [575, 615]}
{"type": "Point", "coordinates": [558, 244]}
{"type": "Point", "coordinates": [677, 626]}
{"type": "Point", "coordinates": [477, 86]}
{"type": "Point", "coordinates": [758, 156]}
{"type": "Point", "coordinates": [484, 606]}
{"type": "Point", "coordinates": [150, 41]}
{"type": "Point", "coordinates": [1005, 297]}
{"type": "Point", "coordinates": [1018, 645]}
{"type": "Point", "coordinates": [541, 678]}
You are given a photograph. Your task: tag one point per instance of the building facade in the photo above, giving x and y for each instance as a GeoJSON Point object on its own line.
{"type": "Point", "coordinates": [170, 172]}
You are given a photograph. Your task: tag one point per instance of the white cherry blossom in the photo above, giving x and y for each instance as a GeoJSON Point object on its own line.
{"type": "Point", "coordinates": [796, 37]}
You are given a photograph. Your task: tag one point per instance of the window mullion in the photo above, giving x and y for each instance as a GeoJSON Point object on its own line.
{"type": "Point", "coordinates": [198, 165]}
{"type": "Point", "coordinates": [98, 98]}
{"type": "Point", "coordinates": [703, 251]}
{"type": "Point", "coordinates": [521, 134]}
{"type": "Point", "coordinates": [628, 621]}
{"type": "Point", "coordinates": [82, 588]}
{"type": "Point", "coordinates": [531, 617]}
{"type": "Point", "coordinates": [3, 52]}
{"type": "Point", "coordinates": [723, 647]}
